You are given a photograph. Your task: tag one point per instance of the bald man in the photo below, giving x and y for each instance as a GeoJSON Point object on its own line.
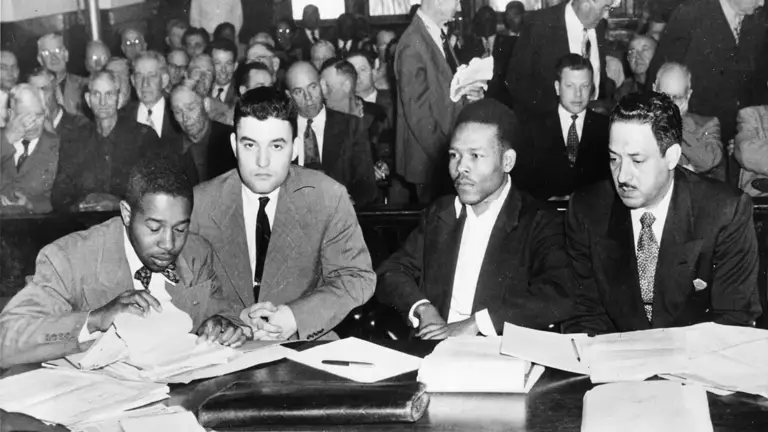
{"type": "Point", "coordinates": [132, 43]}
{"type": "Point", "coordinates": [262, 38]}
{"type": "Point", "coordinates": [96, 56]}
{"type": "Point", "coordinates": [53, 55]}
{"type": "Point", "coordinates": [28, 155]}
{"type": "Point", "coordinates": [639, 54]}
{"type": "Point", "coordinates": [702, 147]}
{"type": "Point", "coordinates": [333, 142]}
{"type": "Point", "coordinates": [320, 52]}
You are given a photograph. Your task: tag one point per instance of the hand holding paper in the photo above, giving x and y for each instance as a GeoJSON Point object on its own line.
{"type": "Point", "coordinates": [221, 330]}
{"type": "Point", "coordinates": [471, 80]}
{"type": "Point", "coordinates": [133, 302]}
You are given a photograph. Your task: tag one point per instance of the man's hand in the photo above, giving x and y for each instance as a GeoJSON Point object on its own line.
{"type": "Point", "coordinates": [221, 330]}
{"type": "Point", "coordinates": [18, 199]}
{"type": "Point", "coordinates": [137, 302]}
{"type": "Point", "coordinates": [474, 94]}
{"type": "Point", "coordinates": [99, 202]}
{"type": "Point", "coordinates": [431, 324]}
{"type": "Point", "coordinates": [17, 126]}
{"type": "Point", "coordinates": [283, 318]}
{"type": "Point", "coordinates": [468, 327]}
{"type": "Point", "coordinates": [381, 170]}
{"type": "Point", "coordinates": [259, 317]}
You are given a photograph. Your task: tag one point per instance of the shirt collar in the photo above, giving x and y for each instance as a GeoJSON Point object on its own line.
{"type": "Point", "coordinates": [495, 206]}
{"type": "Point", "coordinates": [565, 115]}
{"type": "Point", "coordinates": [157, 108]}
{"type": "Point", "coordinates": [30, 147]}
{"type": "Point", "coordinates": [318, 119]}
{"type": "Point", "coordinates": [729, 11]}
{"type": "Point", "coordinates": [134, 263]}
{"type": "Point", "coordinates": [253, 198]}
{"type": "Point", "coordinates": [430, 23]}
{"type": "Point", "coordinates": [571, 19]}
{"type": "Point", "coordinates": [659, 209]}
{"type": "Point", "coordinates": [372, 97]}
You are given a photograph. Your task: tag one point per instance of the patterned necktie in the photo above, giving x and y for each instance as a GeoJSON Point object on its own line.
{"type": "Point", "coordinates": [263, 233]}
{"type": "Point", "coordinates": [144, 275]}
{"type": "Point", "coordinates": [150, 123]}
{"type": "Point", "coordinates": [311, 152]}
{"type": "Point", "coordinates": [449, 55]}
{"type": "Point", "coordinates": [24, 155]}
{"type": "Point", "coordinates": [572, 144]}
{"type": "Point", "coordinates": [647, 256]}
{"type": "Point", "coordinates": [586, 44]}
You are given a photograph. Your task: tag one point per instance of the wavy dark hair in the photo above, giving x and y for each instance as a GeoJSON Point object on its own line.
{"type": "Point", "coordinates": [656, 110]}
{"type": "Point", "coordinates": [263, 103]}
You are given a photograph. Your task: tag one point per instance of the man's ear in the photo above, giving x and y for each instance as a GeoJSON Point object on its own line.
{"type": "Point", "coordinates": [87, 96]}
{"type": "Point", "coordinates": [233, 142]}
{"type": "Point", "coordinates": [125, 212]}
{"type": "Point", "coordinates": [557, 88]}
{"type": "Point", "coordinates": [207, 105]}
{"type": "Point", "coordinates": [672, 156]}
{"type": "Point", "coordinates": [296, 142]}
{"type": "Point", "coordinates": [242, 89]}
{"type": "Point", "coordinates": [40, 60]}
{"type": "Point", "coordinates": [690, 92]}
{"type": "Point", "coordinates": [509, 159]}
{"type": "Point", "coordinates": [275, 64]}
{"type": "Point", "coordinates": [65, 55]}
{"type": "Point", "coordinates": [133, 82]}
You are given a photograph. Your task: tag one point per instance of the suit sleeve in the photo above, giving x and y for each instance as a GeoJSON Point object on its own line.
{"type": "Point", "coordinates": [751, 143]}
{"type": "Point", "coordinates": [219, 303]}
{"type": "Point", "coordinates": [736, 261]}
{"type": "Point", "coordinates": [702, 146]}
{"type": "Point", "coordinates": [589, 314]}
{"type": "Point", "coordinates": [40, 323]}
{"type": "Point", "coordinates": [363, 187]}
{"type": "Point", "coordinates": [348, 277]}
{"type": "Point", "coordinates": [547, 298]}
{"type": "Point", "coordinates": [673, 44]}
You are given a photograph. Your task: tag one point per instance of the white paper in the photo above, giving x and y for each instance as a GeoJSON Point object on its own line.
{"type": "Point", "coordinates": [658, 406]}
{"type": "Point", "coordinates": [176, 422]}
{"type": "Point", "coordinates": [386, 362]}
{"type": "Point", "coordinates": [241, 362]}
{"type": "Point", "coordinates": [112, 424]}
{"type": "Point", "coordinates": [477, 73]}
{"type": "Point", "coordinates": [544, 348]}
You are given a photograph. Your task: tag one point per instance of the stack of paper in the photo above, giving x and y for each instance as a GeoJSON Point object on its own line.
{"type": "Point", "coordinates": [176, 422]}
{"type": "Point", "coordinates": [71, 397]}
{"type": "Point", "coordinates": [545, 348]}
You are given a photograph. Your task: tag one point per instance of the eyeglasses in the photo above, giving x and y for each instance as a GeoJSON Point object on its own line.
{"type": "Point", "coordinates": [129, 43]}
{"type": "Point", "coordinates": [56, 51]}
{"type": "Point", "coordinates": [634, 53]}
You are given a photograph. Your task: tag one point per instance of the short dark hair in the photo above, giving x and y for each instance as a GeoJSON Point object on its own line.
{"type": "Point", "coordinates": [574, 62]}
{"type": "Point", "coordinates": [196, 31]}
{"type": "Point", "coordinates": [343, 68]}
{"type": "Point", "coordinates": [223, 44]}
{"type": "Point", "coordinates": [516, 6]}
{"type": "Point", "coordinates": [492, 112]}
{"type": "Point", "coordinates": [244, 70]}
{"type": "Point", "coordinates": [176, 23]}
{"type": "Point", "coordinates": [263, 103]}
{"type": "Point", "coordinates": [158, 173]}
{"type": "Point", "coordinates": [656, 110]}
{"type": "Point", "coordinates": [369, 56]}
{"type": "Point", "coordinates": [221, 28]}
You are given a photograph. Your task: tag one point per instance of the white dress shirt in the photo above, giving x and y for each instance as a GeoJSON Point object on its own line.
{"type": "Point", "coordinates": [659, 211]}
{"type": "Point", "coordinates": [158, 112]}
{"type": "Point", "coordinates": [433, 29]}
{"type": "Point", "coordinates": [372, 97]}
{"type": "Point", "coordinates": [250, 212]}
{"type": "Point", "coordinates": [318, 125]}
{"type": "Point", "coordinates": [575, 30]}
{"type": "Point", "coordinates": [19, 149]}
{"type": "Point", "coordinates": [565, 122]}
{"type": "Point", "coordinates": [734, 19]}
{"type": "Point", "coordinates": [215, 91]}
{"type": "Point", "coordinates": [489, 43]}
{"type": "Point", "coordinates": [344, 45]}
{"type": "Point", "coordinates": [474, 241]}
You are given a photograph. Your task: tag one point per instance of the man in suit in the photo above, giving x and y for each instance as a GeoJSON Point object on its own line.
{"type": "Point", "coordinates": [196, 41]}
{"type": "Point", "coordinates": [53, 55]}
{"type": "Point", "coordinates": [639, 54]}
{"type": "Point", "coordinates": [9, 66]}
{"type": "Point", "coordinates": [178, 61]}
{"type": "Point", "coordinates": [29, 155]}
{"type": "Point", "coordinates": [723, 44]}
{"type": "Point", "coordinates": [224, 55]}
{"type": "Point", "coordinates": [661, 246]}
{"type": "Point", "coordinates": [205, 142]}
{"type": "Point", "coordinates": [488, 256]}
{"type": "Point", "coordinates": [513, 18]}
{"type": "Point", "coordinates": [576, 27]}
{"type": "Point", "coordinates": [85, 279]}
{"type": "Point", "coordinates": [424, 67]}
{"type": "Point", "coordinates": [310, 34]}
{"type": "Point", "coordinates": [252, 75]}
{"type": "Point", "coordinates": [286, 238]}
{"type": "Point", "coordinates": [132, 43]}
{"type": "Point", "coordinates": [333, 142]}
{"type": "Point", "coordinates": [569, 146]}
{"type": "Point", "coordinates": [702, 150]}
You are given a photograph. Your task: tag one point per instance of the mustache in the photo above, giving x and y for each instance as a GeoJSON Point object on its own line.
{"type": "Point", "coordinates": [626, 186]}
{"type": "Point", "coordinates": [463, 179]}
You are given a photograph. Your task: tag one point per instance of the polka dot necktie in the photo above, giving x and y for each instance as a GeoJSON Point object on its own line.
{"type": "Point", "coordinates": [647, 257]}
{"type": "Point", "coordinates": [572, 145]}
{"type": "Point", "coordinates": [144, 275]}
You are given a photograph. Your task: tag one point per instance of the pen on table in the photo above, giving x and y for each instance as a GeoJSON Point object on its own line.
{"type": "Point", "coordinates": [346, 363]}
{"type": "Point", "coordinates": [575, 350]}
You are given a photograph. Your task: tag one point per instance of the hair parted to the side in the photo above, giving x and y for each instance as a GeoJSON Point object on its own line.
{"type": "Point", "coordinates": [572, 62]}
{"type": "Point", "coordinates": [263, 103]}
{"type": "Point", "coordinates": [656, 110]}
{"type": "Point", "coordinates": [158, 174]}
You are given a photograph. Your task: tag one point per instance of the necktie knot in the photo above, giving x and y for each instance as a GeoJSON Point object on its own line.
{"type": "Point", "coordinates": [219, 92]}
{"type": "Point", "coordinates": [574, 117]}
{"type": "Point", "coordinates": [149, 112]}
{"type": "Point", "coordinates": [25, 143]}
{"type": "Point", "coordinates": [144, 275]}
{"type": "Point", "coordinates": [647, 220]}
{"type": "Point", "coordinates": [309, 122]}
{"type": "Point", "coordinates": [263, 201]}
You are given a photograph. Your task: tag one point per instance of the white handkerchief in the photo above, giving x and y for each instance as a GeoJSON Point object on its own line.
{"type": "Point", "coordinates": [476, 74]}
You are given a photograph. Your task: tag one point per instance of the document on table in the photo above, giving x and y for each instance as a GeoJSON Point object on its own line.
{"type": "Point", "coordinates": [112, 424]}
{"type": "Point", "coordinates": [658, 406]}
{"type": "Point", "coordinates": [475, 365]}
{"type": "Point", "coordinates": [379, 362]}
{"type": "Point", "coordinates": [245, 360]}
{"type": "Point", "coordinates": [176, 422]}
{"type": "Point", "coordinates": [554, 350]}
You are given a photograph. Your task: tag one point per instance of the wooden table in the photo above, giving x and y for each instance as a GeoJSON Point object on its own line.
{"type": "Point", "coordinates": [554, 404]}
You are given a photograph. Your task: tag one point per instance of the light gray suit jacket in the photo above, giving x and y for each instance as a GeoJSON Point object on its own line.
{"type": "Point", "coordinates": [317, 262]}
{"type": "Point", "coordinates": [86, 270]}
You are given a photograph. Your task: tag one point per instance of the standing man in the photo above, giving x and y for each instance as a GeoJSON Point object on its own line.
{"type": "Point", "coordinates": [308, 35]}
{"type": "Point", "coordinates": [513, 19]}
{"type": "Point", "coordinates": [209, 14]}
{"type": "Point", "coordinates": [224, 56]}
{"type": "Point", "coordinates": [383, 75]}
{"type": "Point", "coordinates": [53, 55]}
{"type": "Point", "coordinates": [287, 239]}
{"type": "Point", "coordinates": [424, 67]}
{"type": "Point", "coordinates": [659, 246]}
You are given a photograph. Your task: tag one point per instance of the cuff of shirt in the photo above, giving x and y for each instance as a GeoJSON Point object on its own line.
{"type": "Point", "coordinates": [85, 335]}
{"type": "Point", "coordinates": [411, 314]}
{"type": "Point", "coordinates": [484, 323]}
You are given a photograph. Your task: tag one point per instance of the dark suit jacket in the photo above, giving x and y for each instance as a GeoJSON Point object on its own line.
{"type": "Point", "coordinates": [525, 278]}
{"type": "Point", "coordinates": [503, 47]}
{"type": "Point", "coordinates": [543, 41]}
{"type": "Point", "coordinates": [317, 262]}
{"type": "Point", "coordinates": [347, 155]}
{"type": "Point", "coordinates": [726, 76]}
{"type": "Point", "coordinates": [708, 235]}
{"type": "Point", "coordinates": [218, 154]}
{"type": "Point", "coordinates": [543, 169]}
{"type": "Point", "coordinates": [425, 112]}
{"type": "Point", "coordinates": [171, 131]}
{"type": "Point", "coordinates": [84, 271]}
{"type": "Point", "coordinates": [72, 96]}
{"type": "Point", "coordinates": [380, 131]}
{"type": "Point", "coordinates": [37, 174]}
{"type": "Point", "coordinates": [303, 43]}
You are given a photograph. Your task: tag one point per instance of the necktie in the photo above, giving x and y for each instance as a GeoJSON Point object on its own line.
{"type": "Point", "coordinates": [737, 28]}
{"type": "Point", "coordinates": [150, 123]}
{"type": "Point", "coordinates": [647, 256]}
{"type": "Point", "coordinates": [572, 145]}
{"type": "Point", "coordinates": [315, 35]}
{"type": "Point", "coordinates": [311, 152]}
{"type": "Point", "coordinates": [263, 233]}
{"type": "Point", "coordinates": [24, 155]}
{"type": "Point", "coordinates": [586, 46]}
{"type": "Point", "coordinates": [449, 55]}
{"type": "Point", "coordinates": [219, 92]}
{"type": "Point", "coordinates": [488, 47]}
{"type": "Point", "coordinates": [144, 275]}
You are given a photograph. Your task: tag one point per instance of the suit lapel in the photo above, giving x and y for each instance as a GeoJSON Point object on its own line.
{"type": "Point", "coordinates": [113, 272]}
{"type": "Point", "coordinates": [447, 237]}
{"type": "Point", "coordinates": [436, 51]}
{"type": "Point", "coordinates": [333, 139]}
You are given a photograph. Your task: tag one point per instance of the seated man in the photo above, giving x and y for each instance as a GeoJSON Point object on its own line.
{"type": "Point", "coordinates": [84, 280]}
{"type": "Point", "coordinates": [287, 238]}
{"type": "Point", "coordinates": [659, 246]}
{"type": "Point", "coordinates": [195, 41]}
{"type": "Point", "coordinates": [200, 76]}
{"type": "Point", "coordinates": [132, 43]}
{"type": "Point", "coordinates": [701, 146]}
{"type": "Point", "coordinates": [488, 256]}
{"type": "Point", "coordinates": [96, 56]}
{"type": "Point", "coordinates": [150, 78]}
{"type": "Point", "coordinates": [224, 56]}
{"type": "Point", "coordinates": [53, 55]}
{"type": "Point", "coordinates": [321, 51]}
{"type": "Point", "coordinates": [639, 55]}
{"type": "Point", "coordinates": [751, 150]}
{"type": "Point", "coordinates": [252, 75]}
{"type": "Point", "coordinates": [121, 70]}
{"type": "Point", "coordinates": [178, 61]}
{"type": "Point", "coordinates": [174, 34]}
{"type": "Point", "coordinates": [29, 155]}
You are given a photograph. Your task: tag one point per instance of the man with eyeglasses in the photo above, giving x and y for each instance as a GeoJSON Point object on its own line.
{"type": "Point", "coordinates": [200, 77]}
{"type": "Point", "coordinates": [639, 54]}
{"type": "Point", "coordinates": [53, 55]}
{"type": "Point", "coordinates": [178, 61]}
{"type": "Point", "coordinates": [96, 56]}
{"type": "Point", "coordinates": [132, 43]}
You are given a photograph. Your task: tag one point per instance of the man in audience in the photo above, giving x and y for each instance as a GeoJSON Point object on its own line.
{"type": "Point", "coordinates": [253, 75]}
{"type": "Point", "coordinates": [256, 216]}
{"type": "Point", "coordinates": [150, 77]}
{"type": "Point", "coordinates": [639, 55]}
{"type": "Point", "coordinates": [200, 76]}
{"type": "Point", "coordinates": [124, 265]}
{"type": "Point", "coordinates": [659, 246]}
{"type": "Point", "coordinates": [96, 56]}
{"type": "Point", "coordinates": [424, 67]}
{"type": "Point", "coordinates": [262, 38]}
{"type": "Point", "coordinates": [345, 40]}
{"type": "Point", "coordinates": [132, 43]}
{"type": "Point", "coordinates": [208, 14]}
{"type": "Point", "coordinates": [702, 150]}
{"type": "Point", "coordinates": [365, 88]}
{"type": "Point", "coordinates": [656, 26]}
{"type": "Point", "coordinates": [452, 277]}
{"type": "Point", "coordinates": [321, 51]}
{"type": "Point", "coordinates": [174, 34]}
{"type": "Point", "coordinates": [29, 155]}
{"type": "Point", "coordinates": [121, 70]}
{"type": "Point", "coordinates": [381, 65]}
{"type": "Point", "coordinates": [513, 19]}
{"type": "Point", "coordinates": [206, 142]}
{"type": "Point", "coordinates": [568, 148]}
{"type": "Point", "coordinates": [9, 70]}
{"type": "Point", "coordinates": [196, 41]}
{"type": "Point", "coordinates": [285, 31]}
{"type": "Point", "coordinates": [310, 34]}
{"type": "Point", "coordinates": [576, 27]}
{"type": "Point", "coordinates": [178, 61]}
{"type": "Point", "coordinates": [224, 56]}
{"type": "Point", "coordinates": [53, 55]}
{"type": "Point", "coordinates": [751, 150]}
{"type": "Point", "coordinates": [333, 142]}
{"type": "Point", "coordinates": [261, 53]}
